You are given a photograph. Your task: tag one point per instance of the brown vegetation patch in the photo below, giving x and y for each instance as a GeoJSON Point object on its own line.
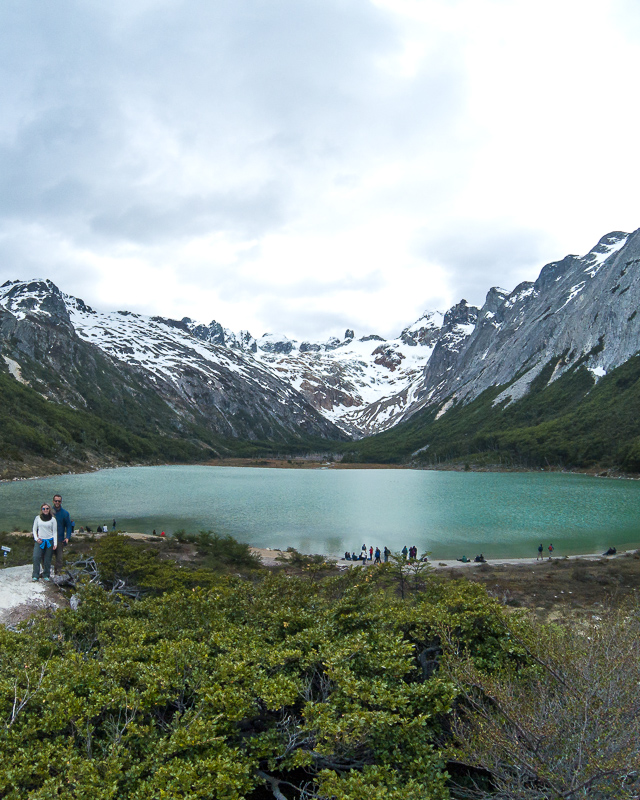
{"type": "Point", "coordinates": [561, 588]}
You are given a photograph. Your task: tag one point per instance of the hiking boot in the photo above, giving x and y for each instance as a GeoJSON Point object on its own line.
{"type": "Point", "coordinates": [34, 580]}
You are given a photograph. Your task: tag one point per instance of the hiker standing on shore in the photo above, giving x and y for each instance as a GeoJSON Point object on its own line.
{"type": "Point", "coordinates": [64, 531]}
{"type": "Point", "coordinates": [550, 549]}
{"type": "Point", "coordinates": [540, 549]}
{"type": "Point", "coordinates": [45, 535]}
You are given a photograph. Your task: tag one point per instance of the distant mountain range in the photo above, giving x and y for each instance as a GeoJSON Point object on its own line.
{"type": "Point", "coordinates": [208, 385]}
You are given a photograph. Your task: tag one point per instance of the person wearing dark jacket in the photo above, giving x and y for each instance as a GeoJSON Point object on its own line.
{"type": "Point", "coordinates": [64, 531]}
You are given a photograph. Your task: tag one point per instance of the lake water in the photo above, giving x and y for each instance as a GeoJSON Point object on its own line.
{"type": "Point", "coordinates": [329, 511]}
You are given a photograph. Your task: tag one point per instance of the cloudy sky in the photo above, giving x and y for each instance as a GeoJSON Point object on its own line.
{"type": "Point", "coordinates": [303, 166]}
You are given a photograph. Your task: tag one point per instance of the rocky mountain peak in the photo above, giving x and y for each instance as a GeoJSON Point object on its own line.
{"type": "Point", "coordinates": [243, 340]}
{"type": "Point", "coordinates": [173, 323]}
{"type": "Point", "coordinates": [553, 272]}
{"type": "Point", "coordinates": [38, 296]}
{"type": "Point", "coordinates": [424, 331]}
{"type": "Point", "coordinates": [460, 314]}
{"type": "Point", "coordinates": [270, 343]}
{"type": "Point", "coordinates": [494, 299]}
{"type": "Point", "coordinates": [212, 333]}
{"type": "Point", "coordinates": [609, 241]}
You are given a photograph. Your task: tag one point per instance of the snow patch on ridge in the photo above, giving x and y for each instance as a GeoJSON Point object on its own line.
{"type": "Point", "coordinates": [596, 258]}
{"type": "Point", "coordinates": [573, 292]}
{"type": "Point", "coordinates": [520, 296]}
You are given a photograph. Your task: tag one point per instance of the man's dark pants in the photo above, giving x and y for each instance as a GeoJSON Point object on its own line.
{"type": "Point", "coordinates": [59, 553]}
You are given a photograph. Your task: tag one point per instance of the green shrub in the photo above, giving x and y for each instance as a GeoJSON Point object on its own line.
{"type": "Point", "coordinates": [219, 692]}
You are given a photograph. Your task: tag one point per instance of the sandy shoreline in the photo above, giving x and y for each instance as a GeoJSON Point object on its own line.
{"type": "Point", "coordinates": [451, 563]}
{"type": "Point", "coordinates": [20, 597]}
{"type": "Point", "coordinates": [270, 556]}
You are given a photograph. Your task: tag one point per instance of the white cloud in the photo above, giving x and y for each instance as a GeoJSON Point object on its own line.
{"type": "Point", "coordinates": [311, 163]}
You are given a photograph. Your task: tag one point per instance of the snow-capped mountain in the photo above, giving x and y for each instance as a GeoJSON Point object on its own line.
{"type": "Point", "coordinates": [227, 390]}
{"type": "Point", "coordinates": [351, 380]}
{"type": "Point", "coordinates": [348, 380]}
{"type": "Point", "coordinates": [580, 310]}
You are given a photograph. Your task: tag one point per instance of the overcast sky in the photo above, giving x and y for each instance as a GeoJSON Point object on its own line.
{"type": "Point", "coordinates": [303, 166]}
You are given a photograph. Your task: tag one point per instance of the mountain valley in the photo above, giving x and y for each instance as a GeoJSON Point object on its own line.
{"type": "Point", "coordinates": [193, 391]}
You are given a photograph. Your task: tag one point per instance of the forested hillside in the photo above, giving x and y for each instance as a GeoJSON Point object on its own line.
{"type": "Point", "coordinates": [572, 422]}
{"type": "Point", "coordinates": [40, 436]}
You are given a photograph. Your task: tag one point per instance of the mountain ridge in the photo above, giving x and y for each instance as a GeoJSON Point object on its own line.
{"type": "Point", "coordinates": [580, 311]}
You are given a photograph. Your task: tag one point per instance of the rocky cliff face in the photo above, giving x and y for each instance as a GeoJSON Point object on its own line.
{"type": "Point", "coordinates": [579, 310]}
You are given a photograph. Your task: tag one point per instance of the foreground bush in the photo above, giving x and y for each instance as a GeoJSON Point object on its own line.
{"type": "Point", "coordinates": [331, 688]}
{"type": "Point", "coordinates": [373, 685]}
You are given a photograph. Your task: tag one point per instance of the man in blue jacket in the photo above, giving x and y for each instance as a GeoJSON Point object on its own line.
{"type": "Point", "coordinates": [64, 531]}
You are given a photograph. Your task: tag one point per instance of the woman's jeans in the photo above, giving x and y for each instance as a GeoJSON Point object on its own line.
{"type": "Point", "coordinates": [42, 556]}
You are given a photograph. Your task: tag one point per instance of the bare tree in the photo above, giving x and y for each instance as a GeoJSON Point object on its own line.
{"type": "Point", "coordinates": [22, 695]}
{"type": "Point", "coordinates": [565, 725]}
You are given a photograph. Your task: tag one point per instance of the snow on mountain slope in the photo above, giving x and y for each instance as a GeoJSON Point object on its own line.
{"type": "Point", "coordinates": [235, 393]}
{"type": "Point", "coordinates": [580, 310]}
{"type": "Point", "coordinates": [344, 382]}
{"type": "Point", "coordinates": [335, 378]}
{"type": "Point", "coordinates": [362, 385]}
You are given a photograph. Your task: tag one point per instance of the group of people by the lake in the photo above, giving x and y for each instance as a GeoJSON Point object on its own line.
{"type": "Point", "coordinates": [99, 528]}
{"type": "Point", "coordinates": [540, 556]}
{"type": "Point", "coordinates": [480, 559]}
{"type": "Point", "coordinates": [377, 556]}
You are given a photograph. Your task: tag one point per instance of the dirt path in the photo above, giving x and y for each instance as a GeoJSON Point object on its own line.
{"type": "Point", "coordinates": [20, 596]}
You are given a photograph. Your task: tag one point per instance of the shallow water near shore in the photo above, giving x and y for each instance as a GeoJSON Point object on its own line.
{"type": "Point", "coordinates": [327, 511]}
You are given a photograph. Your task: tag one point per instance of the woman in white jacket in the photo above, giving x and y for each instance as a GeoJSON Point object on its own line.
{"type": "Point", "coordinates": [45, 535]}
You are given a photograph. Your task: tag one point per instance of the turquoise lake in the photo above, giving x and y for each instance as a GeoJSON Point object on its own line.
{"type": "Point", "coordinates": [328, 511]}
